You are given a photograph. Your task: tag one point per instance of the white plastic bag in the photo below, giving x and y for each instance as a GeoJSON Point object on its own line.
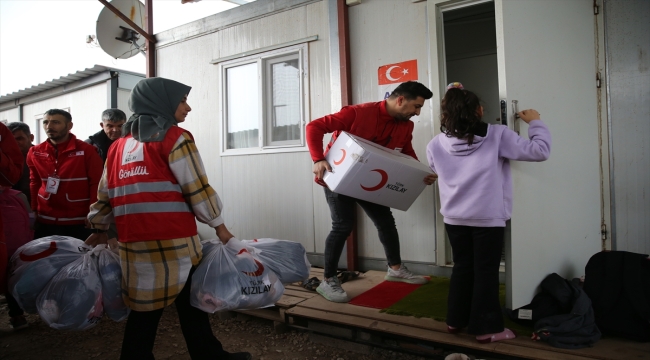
{"type": "Point", "coordinates": [231, 277]}
{"type": "Point", "coordinates": [288, 259]}
{"type": "Point", "coordinates": [34, 264]}
{"type": "Point", "coordinates": [110, 274]}
{"type": "Point", "coordinates": [72, 300]}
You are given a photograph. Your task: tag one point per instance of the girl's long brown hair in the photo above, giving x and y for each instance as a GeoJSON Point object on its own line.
{"type": "Point", "coordinates": [459, 114]}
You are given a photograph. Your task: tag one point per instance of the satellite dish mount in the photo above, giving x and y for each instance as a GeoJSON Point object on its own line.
{"type": "Point", "coordinates": [119, 35]}
{"type": "Point", "coordinates": [130, 36]}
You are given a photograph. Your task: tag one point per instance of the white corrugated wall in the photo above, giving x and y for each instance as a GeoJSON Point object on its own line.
{"type": "Point", "coordinates": [265, 195]}
{"type": "Point", "coordinates": [381, 33]}
{"type": "Point", "coordinates": [86, 106]}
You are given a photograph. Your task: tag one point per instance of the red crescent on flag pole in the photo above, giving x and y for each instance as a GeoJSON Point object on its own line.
{"type": "Point", "coordinates": [384, 180]}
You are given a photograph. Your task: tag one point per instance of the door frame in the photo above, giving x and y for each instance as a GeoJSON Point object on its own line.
{"type": "Point", "coordinates": [438, 81]}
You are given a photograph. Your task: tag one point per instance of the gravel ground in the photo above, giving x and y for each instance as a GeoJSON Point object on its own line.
{"type": "Point", "coordinates": [240, 333]}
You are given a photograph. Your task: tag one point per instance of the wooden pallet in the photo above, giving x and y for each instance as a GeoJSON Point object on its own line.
{"type": "Point", "coordinates": [370, 326]}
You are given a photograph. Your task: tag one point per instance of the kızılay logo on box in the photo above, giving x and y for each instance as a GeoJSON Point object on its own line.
{"type": "Point", "coordinates": [397, 186]}
{"type": "Point", "coordinates": [384, 180]}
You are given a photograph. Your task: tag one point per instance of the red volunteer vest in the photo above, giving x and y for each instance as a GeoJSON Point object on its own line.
{"type": "Point", "coordinates": [146, 199]}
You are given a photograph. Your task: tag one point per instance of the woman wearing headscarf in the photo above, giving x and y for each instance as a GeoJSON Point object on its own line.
{"type": "Point", "coordinates": [153, 187]}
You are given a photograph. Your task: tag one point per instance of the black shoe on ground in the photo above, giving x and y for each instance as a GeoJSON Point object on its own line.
{"type": "Point", "coordinates": [18, 322]}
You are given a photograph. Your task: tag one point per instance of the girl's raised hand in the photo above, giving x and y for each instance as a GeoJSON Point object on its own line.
{"type": "Point", "coordinates": [528, 115]}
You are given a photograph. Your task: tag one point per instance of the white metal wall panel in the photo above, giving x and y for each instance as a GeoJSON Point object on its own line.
{"type": "Point", "coordinates": [123, 102]}
{"type": "Point", "coordinates": [188, 62]}
{"type": "Point", "coordinates": [384, 32]}
{"type": "Point", "coordinates": [86, 106]}
{"type": "Point", "coordinates": [10, 115]}
{"type": "Point", "coordinates": [267, 195]}
{"type": "Point", "coordinates": [270, 197]}
{"type": "Point", "coordinates": [627, 30]}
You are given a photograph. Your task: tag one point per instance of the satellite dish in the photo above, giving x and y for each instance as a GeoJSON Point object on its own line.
{"type": "Point", "coordinates": [114, 35]}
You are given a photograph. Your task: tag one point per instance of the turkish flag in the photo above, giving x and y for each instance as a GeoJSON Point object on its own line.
{"type": "Point", "coordinates": [398, 73]}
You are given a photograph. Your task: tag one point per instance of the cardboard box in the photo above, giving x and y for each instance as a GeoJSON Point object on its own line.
{"type": "Point", "coordinates": [364, 170]}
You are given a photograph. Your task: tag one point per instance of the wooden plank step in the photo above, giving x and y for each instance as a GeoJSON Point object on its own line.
{"type": "Point", "coordinates": [289, 301]}
{"type": "Point", "coordinates": [270, 313]}
{"type": "Point", "coordinates": [302, 294]}
{"type": "Point", "coordinates": [465, 341]}
{"type": "Point", "coordinates": [607, 348]}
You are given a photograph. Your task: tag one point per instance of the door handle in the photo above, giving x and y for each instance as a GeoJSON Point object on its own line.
{"type": "Point", "coordinates": [515, 116]}
{"type": "Point", "coordinates": [503, 112]}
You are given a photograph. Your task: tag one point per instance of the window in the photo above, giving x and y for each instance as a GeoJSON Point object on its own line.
{"type": "Point", "coordinates": [264, 101]}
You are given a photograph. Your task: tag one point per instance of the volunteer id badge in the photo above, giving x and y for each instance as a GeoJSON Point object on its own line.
{"type": "Point", "coordinates": [52, 184]}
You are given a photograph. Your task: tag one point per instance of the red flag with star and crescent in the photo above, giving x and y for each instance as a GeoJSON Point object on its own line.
{"type": "Point", "coordinates": [398, 72]}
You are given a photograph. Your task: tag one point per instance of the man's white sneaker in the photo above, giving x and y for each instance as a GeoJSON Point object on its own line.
{"type": "Point", "coordinates": [331, 290]}
{"type": "Point", "coordinates": [404, 275]}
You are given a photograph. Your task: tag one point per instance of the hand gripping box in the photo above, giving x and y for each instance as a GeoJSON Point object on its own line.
{"type": "Point", "coordinates": [364, 170]}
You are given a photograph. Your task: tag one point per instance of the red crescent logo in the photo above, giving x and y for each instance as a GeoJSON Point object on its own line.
{"type": "Point", "coordinates": [135, 147]}
{"type": "Point", "coordinates": [260, 267]}
{"type": "Point", "coordinates": [43, 254]}
{"type": "Point", "coordinates": [384, 180]}
{"type": "Point", "coordinates": [342, 158]}
{"type": "Point", "coordinates": [52, 182]}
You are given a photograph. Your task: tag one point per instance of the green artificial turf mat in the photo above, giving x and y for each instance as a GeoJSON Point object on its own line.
{"type": "Point", "coordinates": [430, 300]}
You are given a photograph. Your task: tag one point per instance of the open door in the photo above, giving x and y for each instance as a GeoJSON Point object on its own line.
{"type": "Point", "coordinates": [545, 60]}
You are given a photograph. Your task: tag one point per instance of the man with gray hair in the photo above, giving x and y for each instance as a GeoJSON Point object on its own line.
{"type": "Point", "coordinates": [24, 138]}
{"type": "Point", "coordinates": [112, 121]}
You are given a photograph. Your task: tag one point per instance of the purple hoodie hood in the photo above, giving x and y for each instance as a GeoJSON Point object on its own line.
{"type": "Point", "coordinates": [459, 147]}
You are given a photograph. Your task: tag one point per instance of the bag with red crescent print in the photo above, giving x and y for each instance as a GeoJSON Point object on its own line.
{"type": "Point", "coordinates": [232, 277]}
{"type": "Point", "coordinates": [288, 259]}
{"type": "Point", "coordinates": [34, 264]}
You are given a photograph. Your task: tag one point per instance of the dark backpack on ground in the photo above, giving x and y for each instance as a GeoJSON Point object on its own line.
{"type": "Point", "coordinates": [618, 283]}
{"type": "Point", "coordinates": [561, 314]}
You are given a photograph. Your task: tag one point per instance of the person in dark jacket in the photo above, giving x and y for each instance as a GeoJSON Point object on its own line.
{"type": "Point", "coordinates": [112, 121]}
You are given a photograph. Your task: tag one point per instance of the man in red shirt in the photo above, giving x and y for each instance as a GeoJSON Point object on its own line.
{"type": "Point", "coordinates": [64, 174]}
{"type": "Point", "coordinates": [386, 123]}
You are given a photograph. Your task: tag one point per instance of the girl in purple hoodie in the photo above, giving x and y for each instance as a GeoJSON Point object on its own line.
{"type": "Point", "coordinates": [472, 160]}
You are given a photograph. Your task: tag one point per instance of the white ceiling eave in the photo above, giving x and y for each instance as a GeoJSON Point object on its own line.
{"type": "Point", "coordinates": [13, 99]}
{"type": "Point", "coordinates": [224, 19]}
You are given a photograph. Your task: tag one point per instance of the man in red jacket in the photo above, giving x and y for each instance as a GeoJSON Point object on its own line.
{"type": "Point", "coordinates": [64, 174]}
{"type": "Point", "coordinates": [386, 123]}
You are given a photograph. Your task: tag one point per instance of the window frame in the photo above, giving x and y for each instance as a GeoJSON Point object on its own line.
{"type": "Point", "coordinates": [265, 145]}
